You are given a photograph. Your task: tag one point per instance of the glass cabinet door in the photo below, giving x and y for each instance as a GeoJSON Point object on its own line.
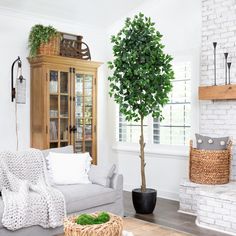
{"type": "Point", "coordinates": [59, 108]}
{"type": "Point", "coordinates": [84, 113]}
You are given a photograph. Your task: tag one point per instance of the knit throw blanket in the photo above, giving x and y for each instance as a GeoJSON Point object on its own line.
{"type": "Point", "coordinates": [27, 195]}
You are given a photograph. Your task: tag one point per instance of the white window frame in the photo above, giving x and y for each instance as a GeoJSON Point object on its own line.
{"type": "Point", "coordinates": [193, 57]}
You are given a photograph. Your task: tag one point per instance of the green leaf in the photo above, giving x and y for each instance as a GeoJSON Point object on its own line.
{"type": "Point", "coordinates": [142, 73]}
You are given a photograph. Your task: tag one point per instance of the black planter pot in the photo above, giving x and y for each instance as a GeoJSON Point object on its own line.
{"type": "Point", "coordinates": [144, 202]}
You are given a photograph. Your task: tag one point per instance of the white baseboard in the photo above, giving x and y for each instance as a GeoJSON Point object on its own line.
{"type": "Point", "coordinates": [160, 193]}
{"type": "Point", "coordinates": [214, 229]}
{"type": "Point", "coordinates": [187, 213]}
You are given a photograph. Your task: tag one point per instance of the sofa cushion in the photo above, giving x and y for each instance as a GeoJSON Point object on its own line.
{"type": "Point", "coordinates": [101, 174]}
{"type": "Point", "coordinates": [84, 196]}
{"type": "Point", "coordinates": [80, 197]}
{"type": "Point", "coordinates": [67, 149]}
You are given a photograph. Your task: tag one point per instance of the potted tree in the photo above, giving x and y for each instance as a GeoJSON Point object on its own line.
{"type": "Point", "coordinates": [43, 40]}
{"type": "Point", "coordinates": [140, 83]}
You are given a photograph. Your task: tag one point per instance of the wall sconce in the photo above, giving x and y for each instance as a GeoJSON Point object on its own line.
{"type": "Point", "coordinates": [18, 92]}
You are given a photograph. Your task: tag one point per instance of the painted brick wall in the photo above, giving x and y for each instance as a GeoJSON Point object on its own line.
{"type": "Point", "coordinates": [215, 207]}
{"type": "Point", "coordinates": [218, 118]}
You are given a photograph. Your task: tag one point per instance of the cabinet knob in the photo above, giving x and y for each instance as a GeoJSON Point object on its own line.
{"type": "Point", "coordinates": [73, 129]}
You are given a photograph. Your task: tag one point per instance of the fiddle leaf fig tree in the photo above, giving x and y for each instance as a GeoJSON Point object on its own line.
{"type": "Point", "coordinates": [142, 75]}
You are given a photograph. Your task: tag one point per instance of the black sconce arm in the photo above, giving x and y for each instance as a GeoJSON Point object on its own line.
{"type": "Point", "coordinates": [13, 90]}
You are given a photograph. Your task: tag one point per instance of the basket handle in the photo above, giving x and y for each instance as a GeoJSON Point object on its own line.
{"type": "Point", "coordinates": [191, 144]}
{"type": "Point", "coordinates": [229, 148]}
{"type": "Point", "coordinates": [190, 157]}
{"type": "Point", "coordinates": [229, 145]}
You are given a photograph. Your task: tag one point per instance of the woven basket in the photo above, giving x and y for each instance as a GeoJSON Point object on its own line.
{"type": "Point", "coordinates": [50, 48]}
{"type": "Point", "coordinates": [113, 227]}
{"type": "Point", "coordinates": [210, 166]}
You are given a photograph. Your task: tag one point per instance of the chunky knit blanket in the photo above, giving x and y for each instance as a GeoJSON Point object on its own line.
{"type": "Point", "coordinates": [27, 195]}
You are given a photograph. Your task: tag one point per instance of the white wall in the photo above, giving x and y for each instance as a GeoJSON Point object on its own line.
{"type": "Point", "coordinates": [178, 21]}
{"type": "Point", "coordinates": [180, 24]}
{"type": "Point", "coordinates": [14, 28]}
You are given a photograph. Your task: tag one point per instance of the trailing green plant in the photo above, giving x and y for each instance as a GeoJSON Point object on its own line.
{"type": "Point", "coordinates": [142, 74]}
{"type": "Point", "coordinates": [40, 34]}
{"type": "Point", "coordinates": [86, 219]}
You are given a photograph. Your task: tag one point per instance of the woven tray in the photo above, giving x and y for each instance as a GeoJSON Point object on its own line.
{"type": "Point", "coordinates": [72, 46]}
{"type": "Point", "coordinates": [210, 166]}
{"type": "Point", "coordinates": [113, 227]}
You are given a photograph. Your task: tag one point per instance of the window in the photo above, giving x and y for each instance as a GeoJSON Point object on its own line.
{"type": "Point", "coordinates": [130, 131]}
{"type": "Point", "coordinates": [174, 129]}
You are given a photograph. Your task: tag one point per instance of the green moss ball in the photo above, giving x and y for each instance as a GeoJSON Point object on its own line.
{"type": "Point", "coordinates": [86, 219]}
{"type": "Point", "coordinates": [103, 217]}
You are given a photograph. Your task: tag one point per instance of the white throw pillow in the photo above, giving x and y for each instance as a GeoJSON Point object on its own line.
{"type": "Point", "coordinates": [69, 168]}
{"type": "Point", "coordinates": [85, 156]}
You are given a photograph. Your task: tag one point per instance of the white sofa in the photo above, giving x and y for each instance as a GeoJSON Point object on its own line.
{"type": "Point", "coordinates": [79, 198]}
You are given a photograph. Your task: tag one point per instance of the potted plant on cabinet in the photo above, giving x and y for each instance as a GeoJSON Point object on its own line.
{"type": "Point", "coordinates": [140, 83]}
{"type": "Point", "coordinates": [43, 40]}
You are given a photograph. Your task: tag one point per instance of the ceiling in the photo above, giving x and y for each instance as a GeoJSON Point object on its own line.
{"type": "Point", "coordinates": [99, 13]}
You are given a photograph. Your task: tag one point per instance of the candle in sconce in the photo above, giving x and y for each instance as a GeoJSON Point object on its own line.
{"type": "Point", "coordinates": [226, 56]}
{"type": "Point", "coordinates": [214, 45]}
{"type": "Point", "coordinates": [229, 65]}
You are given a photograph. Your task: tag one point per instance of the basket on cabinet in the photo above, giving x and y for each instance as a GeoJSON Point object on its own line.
{"type": "Point", "coordinates": [52, 47]}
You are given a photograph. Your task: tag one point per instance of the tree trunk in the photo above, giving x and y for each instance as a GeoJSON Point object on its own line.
{"type": "Point", "coordinates": [142, 145]}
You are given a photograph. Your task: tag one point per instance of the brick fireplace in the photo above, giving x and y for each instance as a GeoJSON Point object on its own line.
{"type": "Point", "coordinates": [218, 118]}
{"type": "Point", "coordinates": [215, 206]}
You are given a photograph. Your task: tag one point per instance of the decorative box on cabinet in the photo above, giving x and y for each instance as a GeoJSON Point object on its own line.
{"type": "Point", "coordinates": [64, 103]}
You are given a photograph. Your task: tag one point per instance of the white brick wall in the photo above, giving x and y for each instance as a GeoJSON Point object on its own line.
{"type": "Point", "coordinates": [214, 206]}
{"type": "Point", "coordinates": [218, 118]}
{"type": "Point", "coordinates": [188, 197]}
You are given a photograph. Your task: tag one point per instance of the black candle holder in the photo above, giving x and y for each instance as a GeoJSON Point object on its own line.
{"type": "Point", "coordinates": [226, 56]}
{"type": "Point", "coordinates": [229, 65]}
{"type": "Point", "coordinates": [214, 45]}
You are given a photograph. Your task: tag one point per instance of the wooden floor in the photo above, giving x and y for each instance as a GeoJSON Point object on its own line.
{"type": "Point", "coordinates": [145, 228]}
{"type": "Point", "coordinates": [166, 214]}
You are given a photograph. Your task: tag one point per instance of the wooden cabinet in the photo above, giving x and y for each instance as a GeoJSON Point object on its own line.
{"type": "Point", "coordinates": [64, 103]}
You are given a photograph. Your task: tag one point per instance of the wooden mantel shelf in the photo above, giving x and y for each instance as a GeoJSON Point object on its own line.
{"type": "Point", "coordinates": [218, 92]}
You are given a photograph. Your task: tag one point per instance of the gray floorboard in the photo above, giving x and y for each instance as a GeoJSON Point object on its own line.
{"type": "Point", "coordinates": [166, 214]}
